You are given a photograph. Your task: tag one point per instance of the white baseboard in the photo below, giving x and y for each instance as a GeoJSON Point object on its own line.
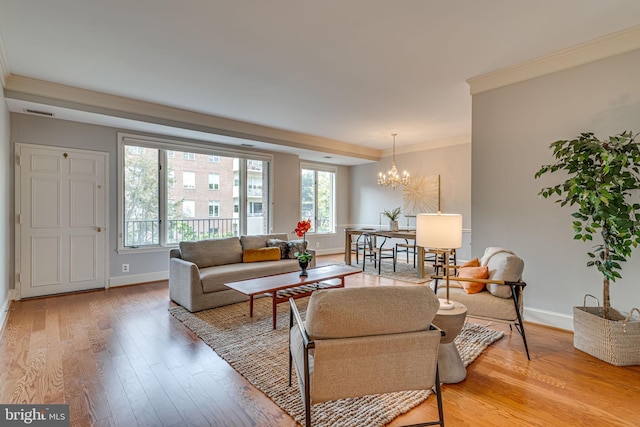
{"type": "Point", "coordinates": [548, 318]}
{"type": "Point", "coordinates": [4, 310]}
{"type": "Point", "coordinates": [132, 279]}
{"type": "Point", "coordinates": [329, 251]}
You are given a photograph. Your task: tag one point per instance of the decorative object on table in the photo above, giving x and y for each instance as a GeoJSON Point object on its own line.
{"type": "Point", "coordinates": [421, 195]}
{"type": "Point", "coordinates": [255, 350]}
{"type": "Point", "coordinates": [602, 184]}
{"type": "Point", "coordinates": [303, 257]}
{"type": "Point", "coordinates": [393, 216]}
{"type": "Point", "coordinates": [392, 178]}
{"type": "Point", "coordinates": [440, 232]}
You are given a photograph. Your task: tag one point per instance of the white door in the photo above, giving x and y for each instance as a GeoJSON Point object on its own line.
{"type": "Point", "coordinates": [61, 214]}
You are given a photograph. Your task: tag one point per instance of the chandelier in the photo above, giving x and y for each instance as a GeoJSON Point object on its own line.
{"type": "Point", "coordinates": [392, 178]}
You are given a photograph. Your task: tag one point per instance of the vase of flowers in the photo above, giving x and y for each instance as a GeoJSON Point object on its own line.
{"type": "Point", "coordinates": [303, 257]}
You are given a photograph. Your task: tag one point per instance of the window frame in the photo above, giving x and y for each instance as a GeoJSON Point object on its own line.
{"type": "Point", "coordinates": [316, 167]}
{"type": "Point", "coordinates": [166, 145]}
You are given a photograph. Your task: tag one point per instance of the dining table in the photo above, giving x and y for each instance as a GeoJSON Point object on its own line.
{"type": "Point", "coordinates": [406, 234]}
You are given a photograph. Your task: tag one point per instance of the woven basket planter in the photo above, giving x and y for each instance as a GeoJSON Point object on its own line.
{"type": "Point", "coordinates": [616, 341]}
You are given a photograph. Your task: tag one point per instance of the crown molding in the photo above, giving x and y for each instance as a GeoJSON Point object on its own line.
{"type": "Point", "coordinates": [28, 89]}
{"type": "Point", "coordinates": [603, 47]}
{"type": "Point", "coordinates": [429, 145]}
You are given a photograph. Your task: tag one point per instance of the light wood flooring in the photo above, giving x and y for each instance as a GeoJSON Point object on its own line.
{"type": "Point", "coordinates": [118, 358]}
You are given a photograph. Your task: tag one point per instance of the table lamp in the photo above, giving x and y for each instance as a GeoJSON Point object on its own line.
{"type": "Point", "coordinates": [442, 232]}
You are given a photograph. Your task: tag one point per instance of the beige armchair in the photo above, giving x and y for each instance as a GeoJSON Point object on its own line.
{"type": "Point", "coordinates": [368, 340]}
{"type": "Point", "coordinates": [502, 298]}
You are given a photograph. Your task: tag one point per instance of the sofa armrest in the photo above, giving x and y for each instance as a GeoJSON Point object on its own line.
{"type": "Point", "coordinates": [184, 282]}
{"type": "Point", "coordinates": [312, 263]}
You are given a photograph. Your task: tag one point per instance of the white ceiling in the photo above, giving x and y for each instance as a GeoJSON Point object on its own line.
{"type": "Point", "coordinates": [352, 71]}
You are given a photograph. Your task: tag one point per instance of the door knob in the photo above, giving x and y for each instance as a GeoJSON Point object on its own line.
{"type": "Point", "coordinates": [98, 229]}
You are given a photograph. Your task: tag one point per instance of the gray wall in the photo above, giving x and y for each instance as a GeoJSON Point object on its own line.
{"type": "Point", "coordinates": [453, 164]}
{"type": "Point", "coordinates": [45, 131]}
{"type": "Point", "coordinates": [512, 129]}
{"type": "Point", "coordinates": [5, 208]}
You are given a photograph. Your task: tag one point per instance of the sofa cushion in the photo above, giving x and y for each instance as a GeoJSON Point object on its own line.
{"type": "Point", "coordinates": [214, 278]}
{"type": "Point", "coordinates": [208, 253]}
{"type": "Point", "coordinates": [261, 255]}
{"type": "Point", "coordinates": [482, 304]}
{"type": "Point", "coordinates": [260, 240]}
{"type": "Point", "coordinates": [366, 311]}
{"type": "Point", "coordinates": [473, 273]}
{"type": "Point", "coordinates": [471, 263]}
{"type": "Point", "coordinates": [281, 244]}
{"type": "Point", "coordinates": [296, 246]}
{"type": "Point", "coordinates": [503, 265]}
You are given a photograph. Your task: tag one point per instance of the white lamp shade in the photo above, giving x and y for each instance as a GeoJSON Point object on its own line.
{"type": "Point", "coordinates": [439, 231]}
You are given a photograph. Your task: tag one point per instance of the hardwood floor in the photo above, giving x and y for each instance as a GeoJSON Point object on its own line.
{"type": "Point", "coordinates": [119, 359]}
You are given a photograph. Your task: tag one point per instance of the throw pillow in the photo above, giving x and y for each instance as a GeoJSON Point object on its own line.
{"type": "Point", "coordinates": [471, 263]}
{"type": "Point", "coordinates": [295, 246]}
{"type": "Point", "coordinates": [261, 254]}
{"type": "Point", "coordinates": [278, 243]}
{"type": "Point", "coordinates": [473, 273]}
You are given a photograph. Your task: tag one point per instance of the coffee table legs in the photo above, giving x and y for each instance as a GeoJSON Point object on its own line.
{"type": "Point", "coordinates": [250, 305]}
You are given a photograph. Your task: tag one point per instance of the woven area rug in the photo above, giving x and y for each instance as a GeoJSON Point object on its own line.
{"type": "Point", "coordinates": [260, 353]}
{"type": "Point", "coordinates": [404, 271]}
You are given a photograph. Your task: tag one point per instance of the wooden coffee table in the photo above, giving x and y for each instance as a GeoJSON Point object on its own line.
{"type": "Point", "coordinates": [283, 286]}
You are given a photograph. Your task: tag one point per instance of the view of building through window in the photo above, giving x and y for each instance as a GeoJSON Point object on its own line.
{"type": "Point", "coordinates": [317, 199]}
{"type": "Point", "coordinates": [203, 196]}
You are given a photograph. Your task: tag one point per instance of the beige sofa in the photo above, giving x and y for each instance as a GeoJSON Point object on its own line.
{"type": "Point", "coordinates": [199, 270]}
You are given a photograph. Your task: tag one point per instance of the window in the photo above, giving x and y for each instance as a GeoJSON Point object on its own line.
{"type": "Point", "coordinates": [318, 197]}
{"type": "Point", "coordinates": [214, 181]}
{"type": "Point", "coordinates": [141, 208]}
{"type": "Point", "coordinates": [214, 209]}
{"type": "Point", "coordinates": [188, 180]}
{"type": "Point", "coordinates": [214, 159]}
{"type": "Point", "coordinates": [164, 195]}
{"type": "Point", "coordinates": [136, 150]}
{"type": "Point", "coordinates": [189, 208]}
{"type": "Point", "coordinates": [255, 208]}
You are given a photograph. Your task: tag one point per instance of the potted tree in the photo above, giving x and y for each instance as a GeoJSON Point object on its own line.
{"type": "Point", "coordinates": [603, 179]}
{"type": "Point", "coordinates": [393, 216]}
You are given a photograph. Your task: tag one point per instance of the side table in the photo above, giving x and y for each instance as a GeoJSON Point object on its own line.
{"type": "Point", "coordinates": [450, 364]}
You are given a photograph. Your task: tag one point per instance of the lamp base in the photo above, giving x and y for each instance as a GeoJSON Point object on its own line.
{"type": "Point", "coordinates": [446, 305]}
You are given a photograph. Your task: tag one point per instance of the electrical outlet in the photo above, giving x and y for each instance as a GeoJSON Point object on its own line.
{"type": "Point", "coordinates": [125, 268]}
{"type": "Point", "coordinates": [317, 245]}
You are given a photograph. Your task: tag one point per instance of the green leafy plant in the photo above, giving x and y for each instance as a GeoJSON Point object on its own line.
{"type": "Point", "coordinates": [393, 214]}
{"type": "Point", "coordinates": [603, 182]}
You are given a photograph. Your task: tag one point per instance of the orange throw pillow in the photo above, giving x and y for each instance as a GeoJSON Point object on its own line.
{"type": "Point", "coordinates": [473, 273]}
{"type": "Point", "coordinates": [472, 263]}
{"type": "Point", "coordinates": [261, 254]}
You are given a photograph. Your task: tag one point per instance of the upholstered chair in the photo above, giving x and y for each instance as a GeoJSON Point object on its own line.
{"type": "Point", "coordinates": [367, 340]}
{"type": "Point", "coordinates": [497, 295]}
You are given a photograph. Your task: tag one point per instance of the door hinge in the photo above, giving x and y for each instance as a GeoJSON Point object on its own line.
{"type": "Point", "coordinates": [19, 218]}
{"type": "Point", "coordinates": [18, 160]}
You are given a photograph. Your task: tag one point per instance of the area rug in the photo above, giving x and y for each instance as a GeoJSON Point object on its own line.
{"type": "Point", "coordinates": [260, 353]}
{"type": "Point", "coordinates": [404, 271]}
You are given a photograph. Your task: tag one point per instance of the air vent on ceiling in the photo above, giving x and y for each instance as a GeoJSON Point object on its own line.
{"type": "Point", "coordinates": [38, 112]}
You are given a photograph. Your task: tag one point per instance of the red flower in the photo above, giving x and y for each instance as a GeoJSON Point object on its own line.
{"type": "Point", "coordinates": [303, 227]}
